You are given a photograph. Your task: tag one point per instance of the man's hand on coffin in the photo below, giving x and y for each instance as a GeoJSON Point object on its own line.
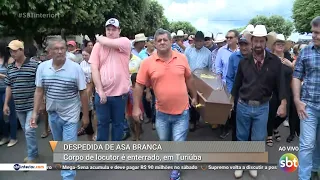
{"type": "Point", "coordinates": [194, 102]}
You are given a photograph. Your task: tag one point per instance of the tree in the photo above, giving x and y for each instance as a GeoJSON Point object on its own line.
{"type": "Point", "coordinates": [38, 18]}
{"type": "Point", "coordinates": [185, 26]}
{"type": "Point", "coordinates": [274, 23]}
{"type": "Point", "coordinates": [240, 29]}
{"type": "Point", "coordinates": [303, 13]}
{"type": "Point", "coordinates": [154, 18]}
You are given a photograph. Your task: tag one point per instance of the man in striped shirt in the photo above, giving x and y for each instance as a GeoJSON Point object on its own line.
{"type": "Point", "coordinates": [63, 83]}
{"type": "Point", "coordinates": [20, 85]}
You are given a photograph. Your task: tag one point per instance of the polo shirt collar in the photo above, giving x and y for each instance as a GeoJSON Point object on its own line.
{"type": "Point", "coordinates": [173, 53]}
{"type": "Point", "coordinates": [26, 61]}
{"type": "Point", "coordinates": [62, 68]}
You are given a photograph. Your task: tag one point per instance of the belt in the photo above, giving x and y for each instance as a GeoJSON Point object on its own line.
{"type": "Point", "coordinates": [252, 102]}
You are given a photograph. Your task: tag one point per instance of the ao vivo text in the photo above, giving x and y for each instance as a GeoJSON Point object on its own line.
{"type": "Point", "coordinates": [289, 148]}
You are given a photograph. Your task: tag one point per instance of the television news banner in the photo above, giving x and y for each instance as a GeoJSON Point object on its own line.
{"type": "Point", "coordinates": [144, 155]}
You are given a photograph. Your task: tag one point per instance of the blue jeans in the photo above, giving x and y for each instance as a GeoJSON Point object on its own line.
{"type": "Point", "coordinates": [113, 109]}
{"type": "Point", "coordinates": [172, 127]}
{"type": "Point", "coordinates": [63, 131]}
{"type": "Point", "coordinates": [30, 134]}
{"type": "Point", "coordinates": [255, 117]}
{"type": "Point", "coordinates": [309, 154]}
{"type": "Point", "coordinates": [12, 125]}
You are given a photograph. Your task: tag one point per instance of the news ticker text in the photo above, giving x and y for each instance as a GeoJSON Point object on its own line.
{"type": "Point", "coordinates": [134, 167]}
{"type": "Point", "coordinates": [159, 152]}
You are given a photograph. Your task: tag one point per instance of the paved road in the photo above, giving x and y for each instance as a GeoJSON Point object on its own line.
{"type": "Point", "coordinates": [17, 153]}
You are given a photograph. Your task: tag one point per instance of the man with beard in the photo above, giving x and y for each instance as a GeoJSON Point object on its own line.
{"type": "Point", "coordinates": [307, 104]}
{"type": "Point", "coordinates": [258, 76]}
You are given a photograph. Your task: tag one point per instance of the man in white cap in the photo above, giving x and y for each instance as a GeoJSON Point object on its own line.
{"type": "Point", "coordinates": [208, 38]}
{"type": "Point", "coordinates": [110, 73]}
{"type": "Point", "coordinates": [139, 43]}
{"type": "Point", "coordinates": [258, 76]}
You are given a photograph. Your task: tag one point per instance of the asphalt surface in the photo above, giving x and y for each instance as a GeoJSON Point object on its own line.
{"type": "Point", "coordinates": [17, 153]}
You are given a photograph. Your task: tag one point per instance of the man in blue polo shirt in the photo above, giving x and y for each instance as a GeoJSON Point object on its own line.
{"type": "Point", "coordinates": [63, 83]}
{"type": "Point", "coordinates": [234, 60]}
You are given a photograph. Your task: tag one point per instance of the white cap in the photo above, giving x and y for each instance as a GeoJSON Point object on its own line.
{"type": "Point", "coordinates": [114, 22]}
{"type": "Point", "coordinates": [173, 34]}
{"type": "Point", "coordinates": [208, 35]}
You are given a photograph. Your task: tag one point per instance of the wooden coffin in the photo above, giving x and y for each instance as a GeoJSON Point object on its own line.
{"type": "Point", "coordinates": [213, 98]}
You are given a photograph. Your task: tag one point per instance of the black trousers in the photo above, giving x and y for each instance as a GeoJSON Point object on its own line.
{"type": "Point", "coordinates": [275, 121]}
{"type": "Point", "coordinates": [294, 120]}
{"type": "Point", "coordinates": [147, 106]}
{"type": "Point", "coordinates": [153, 107]}
{"type": "Point", "coordinates": [89, 129]}
{"type": "Point", "coordinates": [233, 120]}
{"type": "Point", "coordinates": [194, 114]}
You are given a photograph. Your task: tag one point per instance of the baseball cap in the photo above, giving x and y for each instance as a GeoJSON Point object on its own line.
{"type": "Point", "coordinates": [208, 35]}
{"type": "Point", "coordinates": [72, 43]}
{"type": "Point", "coordinates": [15, 45]}
{"type": "Point", "coordinates": [242, 39]}
{"type": "Point", "coordinates": [114, 22]}
{"type": "Point", "coordinates": [199, 35]}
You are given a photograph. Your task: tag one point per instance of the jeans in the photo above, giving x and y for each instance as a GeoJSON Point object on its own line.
{"type": "Point", "coordinates": [12, 125]}
{"type": "Point", "coordinates": [126, 128]}
{"type": "Point", "coordinates": [255, 117]}
{"type": "Point", "coordinates": [113, 109]}
{"type": "Point", "coordinates": [63, 131]}
{"type": "Point", "coordinates": [30, 134]}
{"type": "Point", "coordinates": [309, 154]}
{"type": "Point", "coordinates": [172, 127]}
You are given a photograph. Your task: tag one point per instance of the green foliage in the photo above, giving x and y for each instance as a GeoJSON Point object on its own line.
{"type": "Point", "coordinates": [78, 17]}
{"type": "Point", "coordinates": [240, 29]}
{"type": "Point", "coordinates": [154, 18]}
{"type": "Point", "coordinates": [22, 18]}
{"type": "Point", "coordinates": [303, 13]}
{"type": "Point", "coordinates": [274, 23]}
{"type": "Point", "coordinates": [182, 25]}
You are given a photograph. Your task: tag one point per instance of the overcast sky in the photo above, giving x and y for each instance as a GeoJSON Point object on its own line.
{"type": "Point", "coordinates": [223, 15]}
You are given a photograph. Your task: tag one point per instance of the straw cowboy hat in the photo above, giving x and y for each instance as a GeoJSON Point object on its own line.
{"type": "Point", "coordinates": [140, 38]}
{"type": "Point", "coordinates": [180, 33]}
{"type": "Point", "coordinates": [277, 38]}
{"type": "Point", "coordinates": [249, 28]}
{"type": "Point", "coordinates": [219, 38]}
{"type": "Point", "coordinates": [259, 31]}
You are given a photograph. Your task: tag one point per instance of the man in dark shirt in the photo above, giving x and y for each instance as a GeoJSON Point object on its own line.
{"type": "Point", "coordinates": [258, 76]}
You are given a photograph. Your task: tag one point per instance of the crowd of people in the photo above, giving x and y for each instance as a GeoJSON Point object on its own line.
{"type": "Point", "coordinates": [116, 82]}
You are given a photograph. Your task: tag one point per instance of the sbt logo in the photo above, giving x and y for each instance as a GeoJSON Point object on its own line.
{"type": "Point", "coordinates": [289, 162]}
